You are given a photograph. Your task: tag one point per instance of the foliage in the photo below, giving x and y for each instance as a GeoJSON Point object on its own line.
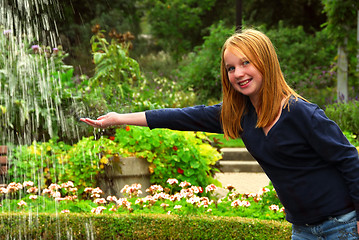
{"type": "Point", "coordinates": [40, 162]}
{"type": "Point", "coordinates": [306, 13]}
{"type": "Point", "coordinates": [48, 162]}
{"type": "Point", "coordinates": [182, 155]}
{"type": "Point", "coordinates": [118, 84]}
{"type": "Point", "coordinates": [200, 70]}
{"type": "Point", "coordinates": [116, 74]}
{"type": "Point", "coordinates": [37, 100]}
{"type": "Point", "coordinates": [309, 72]}
{"type": "Point", "coordinates": [346, 115]}
{"type": "Point", "coordinates": [162, 92]}
{"type": "Point", "coordinates": [342, 27]}
{"type": "Point", "coordinates": [26, 197]}
{"type": "Point", "coordinates": [90, 226]}
{"type": "Point", "coordinates": [306, 62]}
{"type": "Point", "coordinates": [85, 161]}
{"type": "Point", "coordinates": [176, 23]}
{"type": "Point", "coordinates": [76, 17]}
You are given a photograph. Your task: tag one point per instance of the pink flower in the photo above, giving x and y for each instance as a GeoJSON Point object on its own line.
{"type": "Point", "coordinates": [32, 190]}
{"type": "Point", "coordinates": [172, 181]}
{"type": "Point", "coordinates": [274, 208]}
{"type": "Point", "coordinates": [33, 197]}
{"type": "Point", "coordinates": [22, 203]}
{"type": "Point", "coordinates": [98, 210]}
{"type": "Point", "coordinates": [28, 184]}
{"type": "Point", "coordinates": [185, 184]}
{"type": "Point", "coordinates": [100, 201]}
{"type": "Point", "coordinates": [211, 188]}
{"type": "Point", "coordinates": [65, 211]}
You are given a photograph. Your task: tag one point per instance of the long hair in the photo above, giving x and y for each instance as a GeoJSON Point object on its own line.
{"type": "Point", "coordinates": [260, 51]}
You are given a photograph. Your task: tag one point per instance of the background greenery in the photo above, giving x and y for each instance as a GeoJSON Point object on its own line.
{"type": "Point", "coordinates": [128, 56]}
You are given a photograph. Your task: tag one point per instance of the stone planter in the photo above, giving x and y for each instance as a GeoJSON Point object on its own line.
{"type": "Point", "coordinates": [125, 171]}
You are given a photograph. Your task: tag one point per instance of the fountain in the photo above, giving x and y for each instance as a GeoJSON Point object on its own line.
{"type": "Point", "coordinates": [31, 101]}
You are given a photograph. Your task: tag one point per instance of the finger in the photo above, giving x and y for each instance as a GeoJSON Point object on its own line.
{"type": "Point", "coordinates": [102, 117]}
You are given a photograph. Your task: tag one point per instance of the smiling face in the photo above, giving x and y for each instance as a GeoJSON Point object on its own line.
{"type": "Point", "coordinates": [242, 74]}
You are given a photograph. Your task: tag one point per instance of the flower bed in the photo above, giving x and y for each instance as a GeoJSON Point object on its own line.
{"type": "Point", "coordinates": [190, 200]}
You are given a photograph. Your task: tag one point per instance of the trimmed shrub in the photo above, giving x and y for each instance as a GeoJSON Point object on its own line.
{"type": "Point", "coordinates": [91, 226]}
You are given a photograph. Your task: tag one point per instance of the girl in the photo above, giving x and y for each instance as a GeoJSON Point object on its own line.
{"type": "Point", "coordinates": [313, 167]}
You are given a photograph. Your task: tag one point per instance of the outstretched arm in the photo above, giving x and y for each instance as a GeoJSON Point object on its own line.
{"type": "Point", "coordinates": [116, 119]}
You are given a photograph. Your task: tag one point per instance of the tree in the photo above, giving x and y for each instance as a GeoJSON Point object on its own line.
{"type": "Point", "coordinates": [341, 24]}
{"type": "Point", "coordinates": [306, 13]}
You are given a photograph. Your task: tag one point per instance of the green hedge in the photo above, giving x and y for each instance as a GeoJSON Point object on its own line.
{"type": "Point", "coordinates": [346, 115]}
{"type": "Point", "coordinates": [105, 226]}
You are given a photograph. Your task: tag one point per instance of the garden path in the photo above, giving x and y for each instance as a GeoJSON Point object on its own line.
{"type": "Point", "coordinates": [243, 182]}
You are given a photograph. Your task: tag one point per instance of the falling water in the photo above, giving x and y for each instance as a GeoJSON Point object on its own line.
{"type": "Point", "coordinates": [30, 94]}
{"type": "Point", "coordinates": [28, 108]}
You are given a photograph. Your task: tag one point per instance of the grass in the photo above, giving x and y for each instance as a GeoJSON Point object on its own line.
{"type": "Point", "coordinates": [224, 143]}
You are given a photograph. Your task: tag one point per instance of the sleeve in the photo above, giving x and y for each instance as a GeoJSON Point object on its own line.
{"type": "Point", "coordinates": [331, 144]}
{"type": "Point", "coordinates": [198, 118]}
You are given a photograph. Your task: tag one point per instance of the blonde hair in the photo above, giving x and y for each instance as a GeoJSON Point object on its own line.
{"type": "Point", "coordinates": [260, 52]}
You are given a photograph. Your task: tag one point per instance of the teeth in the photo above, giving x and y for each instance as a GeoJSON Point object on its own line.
{"type": "Point", "coordinates": [243, 83]}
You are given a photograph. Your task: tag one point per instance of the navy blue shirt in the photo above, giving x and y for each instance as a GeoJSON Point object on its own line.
{"type": "Point", "coordinates": [312, 165]}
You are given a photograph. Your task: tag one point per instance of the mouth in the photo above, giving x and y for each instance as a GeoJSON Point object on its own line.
{"type": "Point", "coordinates": [244, 82]}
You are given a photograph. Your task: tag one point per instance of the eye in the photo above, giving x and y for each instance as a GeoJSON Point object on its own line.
{"type": "Point", "coordinates": [245, 63]}
{"type": "Point", "coordinates": [229, 69]}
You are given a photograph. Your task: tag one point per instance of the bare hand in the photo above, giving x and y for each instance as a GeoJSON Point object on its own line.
{"type": "Point", "coordinates": [108, 120]}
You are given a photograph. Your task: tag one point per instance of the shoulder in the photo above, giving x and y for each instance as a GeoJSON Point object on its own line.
{"type": "Point", "coordinates": [300, 106]}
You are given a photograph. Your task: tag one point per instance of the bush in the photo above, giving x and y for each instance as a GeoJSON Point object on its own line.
{"type": "Point", "coordinates": [186, 156]}
{"type": "Point", "coordinates": [36, 101]}
{"type": "Point", "coordinates": [346, 115]}
{"type": "Point", "coordinates": [200, 70]}
{"type": "Point", "coordinates": [80, 226]}
{"type": "Point", "coordinates": [306, 62]}
{"type": "Point", "coordinates": [172, 154]}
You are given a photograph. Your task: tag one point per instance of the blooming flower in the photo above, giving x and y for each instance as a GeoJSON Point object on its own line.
{"type": "Point", "coordinates": [35, 48]}
{"type": "Point", "coordinates": [177, 207]}
{"type": "Point", "coordinates": [4, 190]}
{"type": "Point", "coordinates": [172, 181]}
{"type": "Point", "coordinates": [180, 170]}
{"type": "Point", "coordinates": [28, 184]}
{"type": "Point", "coordinates": [98, 210]}
{"type": "Point", "coordinates": [22, 203]}
{"type": "Point", "coordinates": [33, 197]}
{"type": "Point", "coordinates": [32, 190]}
{"type": "Point", "coordinates": [112, 198]}
{"type": "Point", "coordinates": [67, 184]}
{"type": "Point", "coordinates": [211, 188]}
{"type": "Point", "coordinates": [65, 211]}
{"type": "Point", "coordinates": [100, 201]}
{"type": "Point", "coordinates": [274, 208]}
{"type": "Point", "coordinates": [185, 184]}
{"type": "Point", "coordinates": [128, 128]}
{"type": "Point", "coordinates": [7, 32]}
{"type": "Point", "coordinates": [112, 138]}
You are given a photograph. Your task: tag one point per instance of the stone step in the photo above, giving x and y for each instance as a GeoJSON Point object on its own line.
{"type": "Point", "coordinates": [237, 160]}
{"type": "Point", "coordinates": [237, 154]}
{"type": "Point", "coordinates": [239, 166]}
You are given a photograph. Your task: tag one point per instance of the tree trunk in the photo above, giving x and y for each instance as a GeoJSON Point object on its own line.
{"type": "Point", "coordinates": [342, 74]}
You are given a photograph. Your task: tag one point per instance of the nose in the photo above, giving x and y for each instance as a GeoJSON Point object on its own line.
{"type": "Point", "coordinates": [238, 72]}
